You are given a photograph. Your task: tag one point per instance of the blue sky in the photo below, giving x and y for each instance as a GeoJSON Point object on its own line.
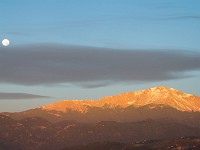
{"type": "Point", "coordinates": [122, 27]}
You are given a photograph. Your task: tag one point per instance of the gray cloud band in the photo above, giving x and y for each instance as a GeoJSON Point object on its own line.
{"type": "Point", "coordinates": [90, 66]}
{"type": "Point", "coordinates": [5, 96]}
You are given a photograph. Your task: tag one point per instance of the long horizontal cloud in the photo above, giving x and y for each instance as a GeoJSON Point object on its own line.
{"type": "Point", "coordinates": [6, 96]}
{"type": "Point", "coordinates": [90, 66]}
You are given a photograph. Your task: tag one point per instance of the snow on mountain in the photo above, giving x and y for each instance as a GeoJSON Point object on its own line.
{"type": "Point", "coordinates": [75, 105]}
{"type": "Point", "coordinates": [157, 95]}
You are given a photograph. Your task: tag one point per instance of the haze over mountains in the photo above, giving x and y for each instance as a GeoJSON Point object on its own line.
{"type": "Point", "coordinates": [155, 113]}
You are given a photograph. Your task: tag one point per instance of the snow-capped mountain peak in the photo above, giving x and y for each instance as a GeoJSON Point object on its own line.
{"type": "Point", "coordinates": [168, 96]}
{"type": "Point", "coordinates": [159, 95]}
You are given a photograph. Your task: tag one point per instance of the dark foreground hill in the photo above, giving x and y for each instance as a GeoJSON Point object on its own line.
{"type": "Point", "coordinates": [188, 143]}
{"type": "Point", "coordinates": [40, 134]}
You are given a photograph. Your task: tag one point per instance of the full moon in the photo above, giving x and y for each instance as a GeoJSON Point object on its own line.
{"type": "Point", "coordinates": [5, 42]}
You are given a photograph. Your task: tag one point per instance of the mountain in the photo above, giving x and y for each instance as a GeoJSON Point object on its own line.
{"type": "Point", "coordinates": [158, 103]}
{"type": "Point", "coordinates": [156, 95]}
{"type": "Point", "coordinates": [39, 134]}
{"type": "Point", "coordinates": [158, 113]}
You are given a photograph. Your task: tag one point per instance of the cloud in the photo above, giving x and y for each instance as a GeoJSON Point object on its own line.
{"type": "Point", "coordinates": [6, 96]}
{"type": "Point", "coordinates": [90, 67]}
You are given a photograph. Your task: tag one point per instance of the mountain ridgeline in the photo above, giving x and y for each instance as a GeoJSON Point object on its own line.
{"type": "Point", "coordinates": [158, 103]}
{"type": "Point", "coordinates": [158, 113]}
